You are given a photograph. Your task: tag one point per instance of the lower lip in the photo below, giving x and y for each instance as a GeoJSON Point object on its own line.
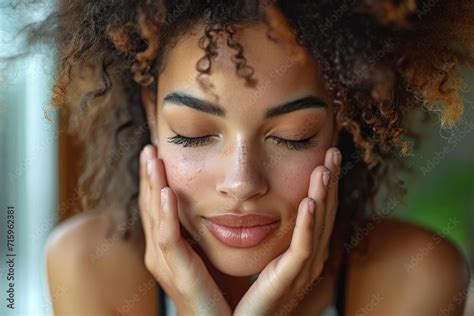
{"type": "Point", "coordinates": [240, 237]}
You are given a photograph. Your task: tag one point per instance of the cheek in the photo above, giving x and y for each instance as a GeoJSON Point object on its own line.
{"type": "Point", "coordinates": [185, 175]}
{"type": "Point", "coordinates": [291, 175]}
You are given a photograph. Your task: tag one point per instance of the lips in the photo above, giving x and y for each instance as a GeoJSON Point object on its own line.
{"type": "Point", "coordinates": [241, 231]}
{"type": "Point", "coordinates": [247, 220]}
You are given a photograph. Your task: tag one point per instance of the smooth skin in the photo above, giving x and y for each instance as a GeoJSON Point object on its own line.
{"type": "Point", "coordinates": [244, 165]}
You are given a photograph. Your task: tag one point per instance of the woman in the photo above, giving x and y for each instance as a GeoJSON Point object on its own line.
{"type": "Point", "coordinates": [234, 150]}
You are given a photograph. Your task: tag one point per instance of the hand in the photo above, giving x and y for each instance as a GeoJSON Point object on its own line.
{"type": "Point", "coordinates": [169, 256]}
{"type": "Point", "coordinates": [286, 279]}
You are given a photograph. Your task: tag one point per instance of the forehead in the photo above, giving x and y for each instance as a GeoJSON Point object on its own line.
{"type": "Point", "coordinates": [283, 69]}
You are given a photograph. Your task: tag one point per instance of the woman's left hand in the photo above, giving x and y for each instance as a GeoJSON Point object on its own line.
{"type": "Point", "coordinates": [283, 283]}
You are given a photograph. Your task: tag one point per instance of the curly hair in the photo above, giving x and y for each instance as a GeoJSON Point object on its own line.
{"type": "Point", "coordinates": [382, 61]}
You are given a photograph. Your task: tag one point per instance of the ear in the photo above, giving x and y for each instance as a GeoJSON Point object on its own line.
{"type": "Point", "coordinates": [148, 100]}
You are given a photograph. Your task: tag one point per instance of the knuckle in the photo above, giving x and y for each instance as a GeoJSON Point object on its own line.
{"type": "Point", "coordinates": [303, 255]}
{"type": "Point", "coordinates": [165, 245]}
{"type": "Point", "coordinates": [149, 262]}
{"type": "Point", "coordinates": [141, 205]}
{"type": "Point", "coordinates": [316, 172]}
{"type": "Point", "coordinates": [182, 288]}
{"type": "Point", "coordinates": [318, 268]}
{"type": "Point", "coordinates": [153, 219]}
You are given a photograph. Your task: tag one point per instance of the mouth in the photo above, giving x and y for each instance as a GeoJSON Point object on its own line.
{"type": "Point", "coordinates": [241, 231]}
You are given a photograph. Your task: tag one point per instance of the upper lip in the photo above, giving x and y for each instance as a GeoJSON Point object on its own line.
{"type": "Point", "coordinates": [246, 220]}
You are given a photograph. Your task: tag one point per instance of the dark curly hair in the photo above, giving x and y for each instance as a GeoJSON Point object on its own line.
{"type": "Point", "coordinates": [381, 61]}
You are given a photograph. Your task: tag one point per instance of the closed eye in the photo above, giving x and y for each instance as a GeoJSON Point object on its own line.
{"type": "Point", "coordinates": [298, 145]}
{"type": "Point", "coordinates": [188, 141]}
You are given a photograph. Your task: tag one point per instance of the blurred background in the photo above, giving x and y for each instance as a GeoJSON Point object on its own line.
{"type": "Point", "coordinates": [39, 167]}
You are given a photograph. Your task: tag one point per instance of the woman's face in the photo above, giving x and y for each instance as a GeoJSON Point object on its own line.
{"type": "Point", "coordinates": [241, 167]}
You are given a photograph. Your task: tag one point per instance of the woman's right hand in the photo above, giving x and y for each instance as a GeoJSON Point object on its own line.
{"type": "Point", "coordinates": [168, 256]}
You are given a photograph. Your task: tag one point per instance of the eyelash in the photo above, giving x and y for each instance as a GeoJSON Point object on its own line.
{"type": "Point", "coordinates": [298, 145]}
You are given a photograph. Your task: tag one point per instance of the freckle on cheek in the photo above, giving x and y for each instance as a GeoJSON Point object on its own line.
{"type": "Point", "coordinates": [183, 172]}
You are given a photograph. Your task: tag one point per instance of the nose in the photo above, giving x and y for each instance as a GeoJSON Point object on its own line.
{"type": "Point", "coordinates": [243, 176]}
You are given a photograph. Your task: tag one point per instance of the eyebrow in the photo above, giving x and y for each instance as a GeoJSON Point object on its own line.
{"type": "Point", "coordinates": [180, 98]}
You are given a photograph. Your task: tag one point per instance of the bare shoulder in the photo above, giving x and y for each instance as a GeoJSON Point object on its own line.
{"type": "Point", "coordinates": [405, 269]}
{"type": "Point", "coordinates": [91, 273]}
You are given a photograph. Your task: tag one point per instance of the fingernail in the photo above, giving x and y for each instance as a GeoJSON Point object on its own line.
{"type": "Point", "coordinates": [336, 157]}
{"type": "Point", "coordinates": [326, 178]}
{"type": "Point", "coordinates": [311, 206]}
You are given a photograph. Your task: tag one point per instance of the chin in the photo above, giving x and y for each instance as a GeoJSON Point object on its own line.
{"type": "Point", "coordinates": [238, 264]}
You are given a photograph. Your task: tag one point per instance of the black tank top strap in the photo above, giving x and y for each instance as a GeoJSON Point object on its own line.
{"type": "Point", "coordinates": [161, 300]}
{"type": "Point", "coordinates": [341, 284]}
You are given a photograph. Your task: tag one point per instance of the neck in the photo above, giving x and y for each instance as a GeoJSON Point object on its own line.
{"type": "Point", "coordinates": [233, 288]}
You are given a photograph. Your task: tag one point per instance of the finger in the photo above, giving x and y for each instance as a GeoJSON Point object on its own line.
{"type": "Point", "coordinates": [332, 162]}
{"type": "Point", "coordinates": [292, 261]}
{"type": "Point", "coordinates": [143, 196]}
{"type": "Point", "coordinates": [317, 192]}
{"type": "Point", "coordinates": [156, 169]}
{"type": "Point", "coordinates": [168, 237]}
{"type": "Point", "coordinates": [155, 175]}
{"type": "Point", "coordinates": [170, 231]}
